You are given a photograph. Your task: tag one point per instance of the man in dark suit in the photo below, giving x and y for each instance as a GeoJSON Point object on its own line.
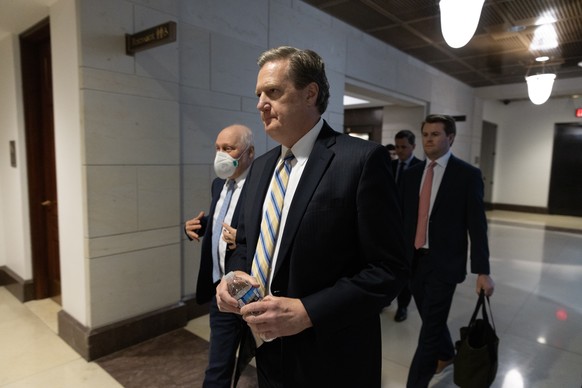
{"type": "Point", "coordinates": [338, 256]}
{"type": "Point", "coordinates": [405, 143]}
{"type": "Point", "coordinates": [234, 155]}
{"type": "Point", "coordinates": [438, 216]}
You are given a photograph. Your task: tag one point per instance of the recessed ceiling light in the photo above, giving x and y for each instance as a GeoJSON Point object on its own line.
{"type": "Point", "coordinates": [542, 58]}
{"type": "Point", "coordinates": [580, 63]}
{"type": "Point", "coordinates": [516, 28]}
{"type": "Point", "coordinates": [349, 100]}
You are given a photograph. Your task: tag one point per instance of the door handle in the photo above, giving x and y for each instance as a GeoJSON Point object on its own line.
{"type": "Point", "coordinates": [46, 203]}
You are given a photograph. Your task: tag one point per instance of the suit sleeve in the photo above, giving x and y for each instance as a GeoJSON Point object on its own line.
{"type": "Point", "coordinates": [376, 253]}
{"type": "Point", "coordinates": [477, 225]}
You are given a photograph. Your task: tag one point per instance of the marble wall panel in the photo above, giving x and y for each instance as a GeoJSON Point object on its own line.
{"type": "Point", "coordinates": [336, 92]}
{"type": "Point", "coordinates": [210, 99]}
{"type": "Point", "coordinates": [190, 266]}
{"type": "Point", "coordinates": [194, 56]}
{"type": "Point", "coordinates": [249, 104]}
{"type": "Point", "coordinates": [112, 194]}
{"type": "Point", "coordinates": [196, 185]}
{"type": "Point", "coordinates": [308, 32]}
{"type": "Point", "coordinates": [158, 196]}
{"type": "Point", "coordinates": [120, 83]}
{"type": "Point", "coordinates": [234, 65]}
{"type": "Point", "coordinates": [123, 129]}
{"type": "Point", "coordinates": [379, 61]}
{"type": "Point", "coordinates": [120, 243]}
{"type": "Point", "coordinates": [104, 25]}
{"type": "Point", "coordinates": [245, 21]}
{"type": "Point", "coordinates": [411, 77]}
{"type": "Point", "coordinates": [167, 6]}
{"type": "Point", "coordinates": [133, 283]}
{"type": "Point", "coordinates": [161, 62]}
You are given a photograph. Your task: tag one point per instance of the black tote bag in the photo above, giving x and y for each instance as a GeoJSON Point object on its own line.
{"type": "Point", "coordinates": [476, 360]}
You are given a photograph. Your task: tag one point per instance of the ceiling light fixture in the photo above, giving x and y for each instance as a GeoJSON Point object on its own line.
{"type": "Point", "coordinates": [539, 86]}
{"type": "Point", "coordinates": [349, 100]}
{"type": "Point", "coordinates": [459, 20]}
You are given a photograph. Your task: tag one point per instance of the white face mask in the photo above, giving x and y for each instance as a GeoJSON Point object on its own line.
{"type": "Point", "coordinates": [225, 165]}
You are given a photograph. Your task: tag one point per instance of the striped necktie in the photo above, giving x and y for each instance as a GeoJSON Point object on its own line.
{"type": "Point", "coordinates": [270, 224]}
{"type": "Point", "coordinates": [217, 231]}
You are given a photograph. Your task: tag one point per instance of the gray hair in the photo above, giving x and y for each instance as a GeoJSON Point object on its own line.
{"type": "Point", "coordinates": [305, 67]}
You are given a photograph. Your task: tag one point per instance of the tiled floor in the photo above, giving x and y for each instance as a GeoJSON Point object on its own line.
{"type": "Point", "coordinates": [537, 308]}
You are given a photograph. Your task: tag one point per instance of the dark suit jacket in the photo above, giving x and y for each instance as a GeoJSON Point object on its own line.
{"type": "Point", "coordinates": [394, 164]}
{"type": "Point", "coordinates": [341, 253]}
{"type": "Point", "coordinates": [457, 213]}
{"type": "Point", "coordinates": [205, 288]}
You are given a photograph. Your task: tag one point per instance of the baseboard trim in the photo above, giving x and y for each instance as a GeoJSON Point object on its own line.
{"type": "Point", "coordinates": [517, 208]}
{"type": "Point", "coordinates": [23, 290]}
{"type": "Point", "coordinates": [193, 309]}
{"type": "Point", "coordinates": [92, 344]}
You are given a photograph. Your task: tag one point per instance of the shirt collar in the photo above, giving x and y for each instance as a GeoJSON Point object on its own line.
{"type": "Point", "coordinates": [442, 161]}
{"type": "Point", "coordinates": [240, 180]}
{"type": "Point", "coordinates": [302, 148]}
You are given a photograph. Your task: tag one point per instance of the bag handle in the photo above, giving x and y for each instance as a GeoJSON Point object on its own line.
{"type": "Point", "coordinates": [490, 312]}
{"type": "Point", "coordinates": [481, 305]}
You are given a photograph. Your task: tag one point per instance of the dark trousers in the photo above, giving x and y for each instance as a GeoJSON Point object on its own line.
{"type": "Point", "coordinates": [225, 335]}
{"type": "Point", "coordinates": [269, 368]}
{"type": "Point", "coordinates": [404, 297]}
{"type": "Point", "coordinates": [433, 297]}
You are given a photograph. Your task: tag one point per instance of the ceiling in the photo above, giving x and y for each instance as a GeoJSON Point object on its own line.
{"type": "Point", "coordinates": [498, 54]}
{"type": "Point", "coordinates": [496, 58]}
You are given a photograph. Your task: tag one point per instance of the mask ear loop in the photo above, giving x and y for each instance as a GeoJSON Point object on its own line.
{"type": "Point", "coordinates": [235, 161]}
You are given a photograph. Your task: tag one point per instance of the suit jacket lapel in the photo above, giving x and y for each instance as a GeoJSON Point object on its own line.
{"type": "Point", "coordinates": [447, 176]}
{"type": "Point", "coordinates": [317, 164]}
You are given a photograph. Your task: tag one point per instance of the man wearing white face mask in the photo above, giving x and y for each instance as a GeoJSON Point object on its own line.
{"type": "Point", "coordinates": [234, 155]}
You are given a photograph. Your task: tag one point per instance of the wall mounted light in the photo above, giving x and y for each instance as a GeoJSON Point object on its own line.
{"type": "Point", "coordinates": [459, 20]}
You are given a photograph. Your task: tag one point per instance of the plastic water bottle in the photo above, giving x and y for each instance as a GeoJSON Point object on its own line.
{"type": "Point", "coordinates": [241, 290]}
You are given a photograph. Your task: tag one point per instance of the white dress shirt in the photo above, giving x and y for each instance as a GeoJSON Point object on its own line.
{"type": "Point", "coordinates": [301, 151]}
{"type": "Point", "coordinates": [238, 185]}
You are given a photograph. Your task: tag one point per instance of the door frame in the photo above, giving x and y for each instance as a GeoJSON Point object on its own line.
{"type": "Point", "coordinates": [487, 160]}
{"type": "Point", "coordinates": [37, 95]}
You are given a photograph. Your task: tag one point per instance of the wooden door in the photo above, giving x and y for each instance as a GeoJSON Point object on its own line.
{"type": "Point", "coordinates": [40, 148]}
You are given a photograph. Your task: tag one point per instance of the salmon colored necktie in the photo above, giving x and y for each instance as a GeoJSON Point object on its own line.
{"type": "Point", "coordinates": [424, 207]}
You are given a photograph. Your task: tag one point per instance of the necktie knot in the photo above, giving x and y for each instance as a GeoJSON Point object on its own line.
{"type": "Point", "coordinates": [288, 157]}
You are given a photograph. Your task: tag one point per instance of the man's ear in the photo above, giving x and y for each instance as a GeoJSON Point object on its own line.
{"type": "Point", "coordinates": [312, 92]}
